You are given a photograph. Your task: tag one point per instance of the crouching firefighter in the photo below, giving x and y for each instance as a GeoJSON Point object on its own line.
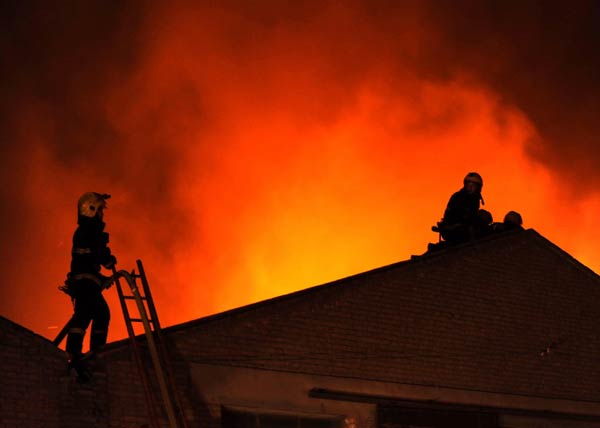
{"type": "Point", "coordinates": [462, 217]}
{"type": "Point", "coordinates": [85, 283]}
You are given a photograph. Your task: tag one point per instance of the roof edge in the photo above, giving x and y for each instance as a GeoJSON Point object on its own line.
{"type": "Point", "coordinates": [29, 332]}
{"type": "Point", "coordinates": [564, 255]}
{"type": "Point", "coordinates": [413, 261]}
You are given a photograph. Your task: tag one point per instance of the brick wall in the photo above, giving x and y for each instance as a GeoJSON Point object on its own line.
{"type": "Point", "coordinates": [37, 391]}
{"type": "Point", "coordinates": [31, 379]}
{"type": "Point", "coordinates": [125, 391]}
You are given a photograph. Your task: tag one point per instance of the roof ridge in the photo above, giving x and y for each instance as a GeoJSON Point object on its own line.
{"type": "Point", "coordinates": [476, 242]}
{"type": "Point", "coordinates": [414, 260]}
{"type": "Point", "coordinates": [564, 255]}
{"type": "Point", "coordinates": [27, 330]}
{"type": "Point", "coordinates": [261, 303]}
{"type": "Point", "coordinates": [348, 280]}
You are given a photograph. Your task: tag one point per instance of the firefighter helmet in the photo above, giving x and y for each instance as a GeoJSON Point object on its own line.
{"type": "Point", "coordinates": [474, 177]}
{"type": "Point", "coordinates": [514, 218]}
{"type": "Point", "coordinates": [91, 203]}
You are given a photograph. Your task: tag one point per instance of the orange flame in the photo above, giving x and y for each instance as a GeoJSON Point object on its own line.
{"type": "Point", "coordinates": [292, 155]}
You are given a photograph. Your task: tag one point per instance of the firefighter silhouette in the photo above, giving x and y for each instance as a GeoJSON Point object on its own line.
{"type": "Point", "coordinates": [461, 217]}
{"type": "Point", "coordinates": [85, 283]}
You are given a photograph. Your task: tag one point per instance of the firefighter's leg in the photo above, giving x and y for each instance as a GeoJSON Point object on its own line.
{"type": "Point", "coordinates": [78, 324]}
{"type": "Point", "coordinates": [100, 323]}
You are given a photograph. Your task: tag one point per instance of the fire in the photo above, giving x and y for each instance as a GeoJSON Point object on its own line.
{"type": "Point", "coordinates": [249, 158]}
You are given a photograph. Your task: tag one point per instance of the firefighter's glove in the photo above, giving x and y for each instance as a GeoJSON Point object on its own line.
{"type": "Point", "coordinates": [112, 261]}
{"type": "Point", "coordinates": [107, 282]}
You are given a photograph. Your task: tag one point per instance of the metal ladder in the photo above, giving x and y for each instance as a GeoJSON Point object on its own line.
{"type": "Point", "coordinates": [154, 339]}
{"type": "Point", "coordinates": [161, 372]}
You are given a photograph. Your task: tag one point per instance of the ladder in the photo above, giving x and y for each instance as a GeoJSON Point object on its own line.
{"type": "Point", "coordinates": [161, 373]}
{"type": "Point", "coordinates": [160, 363]}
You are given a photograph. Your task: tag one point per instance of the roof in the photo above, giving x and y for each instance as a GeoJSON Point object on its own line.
{"type": "Point", "coordinates": [510, 314]}
{"type": "Point", "coordinates": [17, 329]}
{"type": "Point", "coordinates": [23, 340]}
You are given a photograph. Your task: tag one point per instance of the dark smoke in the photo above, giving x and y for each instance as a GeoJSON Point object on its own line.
{"type": "Point", "coordinates": [543, 57]}
{"type": "Point", "coordinates": [61, 61]}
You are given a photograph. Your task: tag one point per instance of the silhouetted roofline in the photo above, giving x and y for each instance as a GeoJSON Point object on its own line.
{"type": "Point", "coordinates": [415, 261]}
{"type": "Point", "coordinates": [564, 255]}
{"type": "Point", "coordinates": [530, 232]}
{"type": "Point", "coordinates": [28, 331]}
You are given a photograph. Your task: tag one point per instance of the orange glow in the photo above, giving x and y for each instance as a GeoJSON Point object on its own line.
{"type": "Point", "coordinates": [293, 156]}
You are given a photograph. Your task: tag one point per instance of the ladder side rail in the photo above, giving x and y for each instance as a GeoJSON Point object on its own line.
{"type": "Point", "coordinates": [153, 350]}
{"type": "Point", "coordinates": [62, 334]}
{"type": "Point", "coordinates": [148, 295]}
{"type": "Point", "coordinates": [137, 356]}
{"type": "Point", "coordinates": [163, 351]}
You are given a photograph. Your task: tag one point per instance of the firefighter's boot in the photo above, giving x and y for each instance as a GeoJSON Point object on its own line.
{"type": "Point", "coordinates": [77, 363]}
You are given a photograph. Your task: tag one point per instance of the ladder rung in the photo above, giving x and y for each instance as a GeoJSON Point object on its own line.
{"type": "Point", "coordinates": [140, 320]}
{"type": "Point", "coordinates": [133, 297]}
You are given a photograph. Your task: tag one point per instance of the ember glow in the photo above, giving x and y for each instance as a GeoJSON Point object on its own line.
{"type": "Point", "coordinates": [254, 152]}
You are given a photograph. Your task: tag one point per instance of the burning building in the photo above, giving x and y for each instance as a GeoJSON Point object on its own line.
{"type": "Point", "coordinates": [499, 332]}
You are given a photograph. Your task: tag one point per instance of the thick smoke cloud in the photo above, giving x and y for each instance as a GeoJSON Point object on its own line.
{"type": "Point", "coordinates": [541, 57]}
{"type": "Point", "coordinates": [61, 63]}
{"type": "Point", "coordinates": [216, 124]}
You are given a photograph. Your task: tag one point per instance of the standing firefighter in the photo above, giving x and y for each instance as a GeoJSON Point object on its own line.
{"type": "Point", "coordinates": [461, 216]}
{"type": "Point", "coordinates": [85, 282]}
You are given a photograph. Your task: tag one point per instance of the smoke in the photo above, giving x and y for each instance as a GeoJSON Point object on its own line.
{"type": "Point", "coordinates": [541, 57]}
{"type": "Point", "coordinates": [253, 150]}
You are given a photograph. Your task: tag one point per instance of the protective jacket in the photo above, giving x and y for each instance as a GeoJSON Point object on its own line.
{"type": "Point", "coordinates": [460, 216]}
{"type": "Point", "coordinates": [90, 249]}
{"type": "Point", "coordinates": [462, 208]}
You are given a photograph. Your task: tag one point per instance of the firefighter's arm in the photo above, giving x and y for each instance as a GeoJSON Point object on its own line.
{"type": "Point", "coordinates": [112, 262]}
{"type": "Point", "coordinates": [106, 258]}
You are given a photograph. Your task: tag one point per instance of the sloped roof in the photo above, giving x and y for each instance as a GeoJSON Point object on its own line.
{"type": "Point", "coordinates": [509, 314]}
{"type": "Point", "coordinates": [17, 330]}
{"type": "Point", "coordinates": [18, 344]}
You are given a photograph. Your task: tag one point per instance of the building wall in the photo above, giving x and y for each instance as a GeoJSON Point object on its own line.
{"type": "Point", "coordinates": [520, 421]}
{"type": "Point", "coordinates": [30, 384]}
{"type": "Point", "coordinates": [266, 391]}
{"type": "Point", "coordinates": [36, 391]}
{"type": "Point", "coordinates": [125, 392]}
{"type": "Point", "coordinates": [284, 392]}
